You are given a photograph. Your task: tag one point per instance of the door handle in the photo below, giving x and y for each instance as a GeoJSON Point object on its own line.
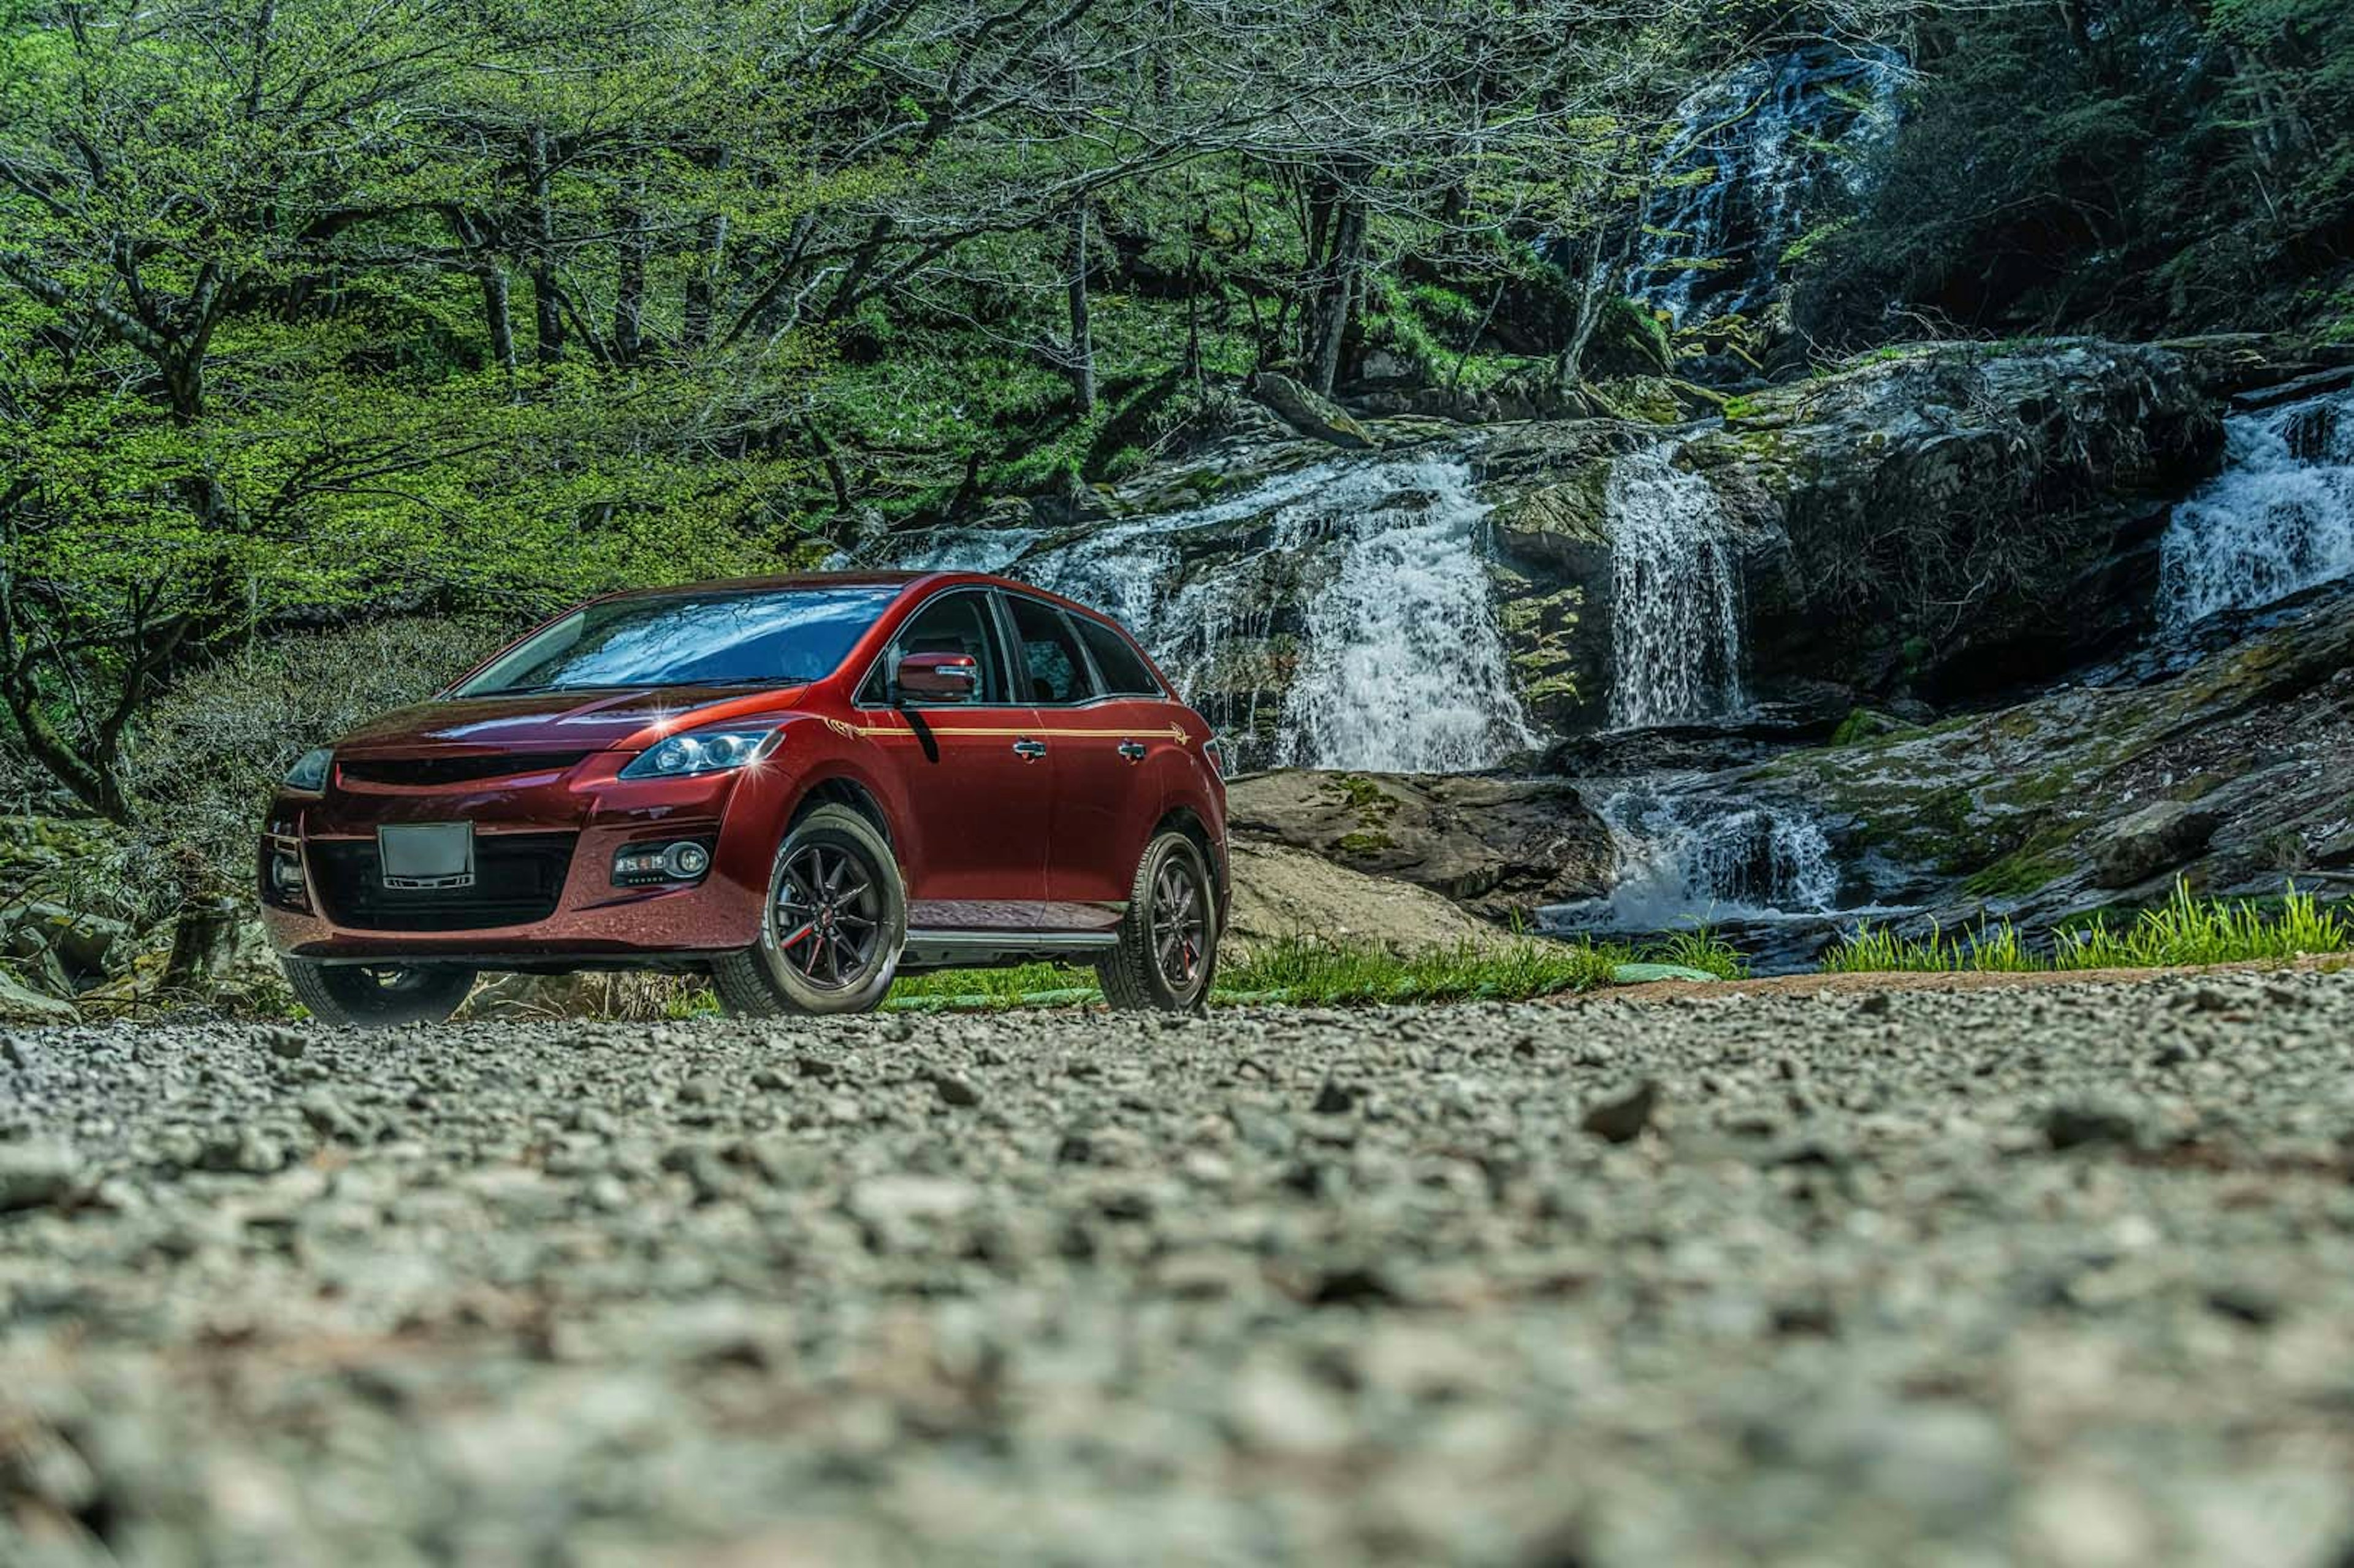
{"type": "Point", "coordinates": [1132, 749]}
{"type": "Point", "coordinates": [1029, 750]}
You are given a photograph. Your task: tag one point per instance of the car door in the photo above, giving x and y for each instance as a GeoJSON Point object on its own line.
{"type": "Point", "coordinates": [976, 780]}
{"type": "Point", "coordinates": [1095, 744]}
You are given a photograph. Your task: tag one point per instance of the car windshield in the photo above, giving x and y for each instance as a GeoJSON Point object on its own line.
{"type": "Point", "coordinates": [710, 638]}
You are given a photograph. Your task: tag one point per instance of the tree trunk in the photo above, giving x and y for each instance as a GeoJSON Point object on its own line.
{"type": "Point", "coordinates": [703, 283]}
{"type": "Point", "coordinates": [203, 939]}
{"type": "Point", "coordinates": [96, 782]}
{"type": "Point", "coordinates": [629, 279]}
{"type": "Point", "coordinates": [1330, 322]}
{"type": "Point", "coordinates": [496, 315]}
{"type": "Point", "coordinates": [1082, 359]}
{"type": "Point", "coordinates": [547, 313]}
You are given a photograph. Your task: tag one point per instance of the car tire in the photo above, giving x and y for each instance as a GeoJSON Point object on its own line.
{"type": "Point", "coordinates": [376, 996]}
{"type": "Point", "coordinates": [1168, 951]}
{"type": "Point", "coordinates": [837, 883]}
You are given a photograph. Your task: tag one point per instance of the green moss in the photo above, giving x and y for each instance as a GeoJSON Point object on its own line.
{"type": "Point", "coordinates": [1862, 724]}
{"type": "Point", "coordinates": [2016, 875]}
{"type": "Point", "coordinates": [1365, 844]}
{"type": "Point", "coordinates": [1367, 798]}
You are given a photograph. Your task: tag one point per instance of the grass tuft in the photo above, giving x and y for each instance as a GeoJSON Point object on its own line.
{"type": "Point", "coordinates": [1311, 972]}
{"type": "Point", "coordinates": [2184, 930]}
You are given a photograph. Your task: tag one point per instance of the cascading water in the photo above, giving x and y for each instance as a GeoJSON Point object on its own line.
{"type": "Point", "coordinates": [1404, 668]}
{"type": "Point", "coordinates": [1401, 663]}
{"type": "Point", "coordinates": [1686, 855]}
{"type": "Point", "coordinates": [1750, 154]}
{"type": "Point", "coordinates": [2279, 519]}
{"type": "Point", "coordinates": [1675, 616]}
{"type": "Point", "coordinates": [1688, 858]}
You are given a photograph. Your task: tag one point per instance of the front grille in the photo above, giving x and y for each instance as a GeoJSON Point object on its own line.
{"type": "Point", "coordinates": [518, 879]}
{"type": "Point", "coordinates": [429, 770]}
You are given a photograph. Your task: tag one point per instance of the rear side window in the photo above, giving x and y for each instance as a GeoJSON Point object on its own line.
{"type": "Point", "coordinates": [1058, 672]}
{"type": "Point", "coordinates": [1124, 673]}
{"type": "Point", "coordinates": [952, 623]}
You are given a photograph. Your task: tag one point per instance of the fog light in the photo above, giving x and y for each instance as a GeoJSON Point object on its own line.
{"type": "Point", "coordinates": [641, 865]}
{"type": "Point", "coordinates": [286, 879]}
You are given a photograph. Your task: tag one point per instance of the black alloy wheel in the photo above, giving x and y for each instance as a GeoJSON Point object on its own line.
{"type": "Point", "coordinates": [831, 926]}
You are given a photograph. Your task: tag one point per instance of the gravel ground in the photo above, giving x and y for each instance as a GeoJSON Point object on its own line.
{"type": "Point", "coordinates": [2053, 1276]}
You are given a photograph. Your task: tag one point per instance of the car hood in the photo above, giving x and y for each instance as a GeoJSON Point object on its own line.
{"type": "Point", "coordinates": [555, 721]}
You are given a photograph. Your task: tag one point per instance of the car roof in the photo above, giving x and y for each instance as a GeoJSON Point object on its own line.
{"type": "Point", "coordinates": [856, 579]}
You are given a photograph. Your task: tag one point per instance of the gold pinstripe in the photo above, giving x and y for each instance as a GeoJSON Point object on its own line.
{"type": "Point", "coordinates": [1034, 732]}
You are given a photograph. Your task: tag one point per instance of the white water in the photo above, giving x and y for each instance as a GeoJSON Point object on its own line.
{"type": "Point", "coordinates": [1404, 668]}
{"type": "Point", "coordinates": [1749, 152]}
{"type": "Point", "coordinates": [2278, 520]}
{"type": "Point", "coordinates": [1402, 665]}
{"type": "Point", "coordinates": [1685, 859]}
{"type": "Point", "coordinates": [1675, 614]}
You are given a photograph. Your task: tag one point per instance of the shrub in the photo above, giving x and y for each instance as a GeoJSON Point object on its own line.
{"type": "Point", "coordinates": [205, 754]}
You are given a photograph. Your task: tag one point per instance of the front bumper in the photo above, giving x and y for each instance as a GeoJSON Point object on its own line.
{"type": "Point", "coordinates": [591, 920]}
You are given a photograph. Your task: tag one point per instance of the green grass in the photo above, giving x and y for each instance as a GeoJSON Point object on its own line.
{"type": "Point", "coordinates": [2186, 929]}
{"type": "Point", "coordinates": [1309, 973]}
{"type": "Point", "coordinates": [1701, 950]}
{"type": "Point", "coordinates": [1318, 974]}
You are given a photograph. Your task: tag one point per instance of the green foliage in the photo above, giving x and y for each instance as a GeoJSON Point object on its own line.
{"type": "Point", "coordinates": [2135, 165]}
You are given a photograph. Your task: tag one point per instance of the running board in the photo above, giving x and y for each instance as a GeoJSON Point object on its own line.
{"type": "Point", "coordinates": [969, 949]}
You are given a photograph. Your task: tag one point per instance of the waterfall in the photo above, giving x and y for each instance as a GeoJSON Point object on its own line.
{"type": "Point", "coordinates": [1752, 152]}
{"type": "Point", "coordinates": [1686, 859]}
{"type": "Point", "coordinates": [1761, 874]}
{"type": "Point", "coordinates": [1375, 569]}
{"type": "Point", "coordinates": [1403, 669]}
{"type": "Point", "coordinates": [961, 549]}
{"type": "Point", "coordinates": [1675, 613]}
{"type": "Point", "coordinates": [2279, 519]}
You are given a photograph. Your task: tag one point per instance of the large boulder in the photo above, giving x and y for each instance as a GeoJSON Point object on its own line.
{"type": "Point", "coordinates": [1310, 413]}
{"type": "Point", "coordinates": [2158, 837]}
{"type": "Point", "coordinates": [1960, 522]}
{"type": "Point", "coordinates": [21, 1004]}
{"type": "Point", "coordinates": [2228, 770]}
{"type": "Point", "coordinates": [1498, 846]}
{"type": "Point", "coordinates": [1280, 892]}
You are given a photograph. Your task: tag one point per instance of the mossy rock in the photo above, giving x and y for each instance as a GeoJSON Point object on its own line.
{"type": "Point", "coordinates": [1645, 400]}
{"type": "Point", "coordinates": [1556, 520]}
{"type": "Point", "coordinates": [1630, 339]}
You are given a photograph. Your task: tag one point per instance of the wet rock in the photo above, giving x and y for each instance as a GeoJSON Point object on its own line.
{"type": "Point", "coordinates": [1309, 413]}
{"type": "Point", "coordinates": [2156, 838]}
{"type": "Point", "coordinates": [1495, 845]}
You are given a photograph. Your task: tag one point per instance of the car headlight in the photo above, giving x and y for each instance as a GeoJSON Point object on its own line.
{"type": "Point", "coordinates": [704, 751]}
{"type": "Point", "coordinates": [311, 773]}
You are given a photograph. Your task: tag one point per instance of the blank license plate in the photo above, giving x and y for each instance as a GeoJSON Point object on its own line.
{"type": "Point", "coordinates": [425, 855]}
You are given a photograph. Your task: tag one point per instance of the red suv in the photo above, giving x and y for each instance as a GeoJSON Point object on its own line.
{"type": "Point", "coordinates": [799, 786]}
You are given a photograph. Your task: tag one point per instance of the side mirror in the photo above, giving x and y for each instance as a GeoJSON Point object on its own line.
{"type": "Point", "coordinates": [944, 677]}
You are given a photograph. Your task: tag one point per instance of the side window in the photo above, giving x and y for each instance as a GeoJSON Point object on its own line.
{"type": "Point", "coordinates": [1058, 670]}
{"type": "Point", "coordinates": [1124, 673]}
{"type": "Point", "coordinates": [952, 623]}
